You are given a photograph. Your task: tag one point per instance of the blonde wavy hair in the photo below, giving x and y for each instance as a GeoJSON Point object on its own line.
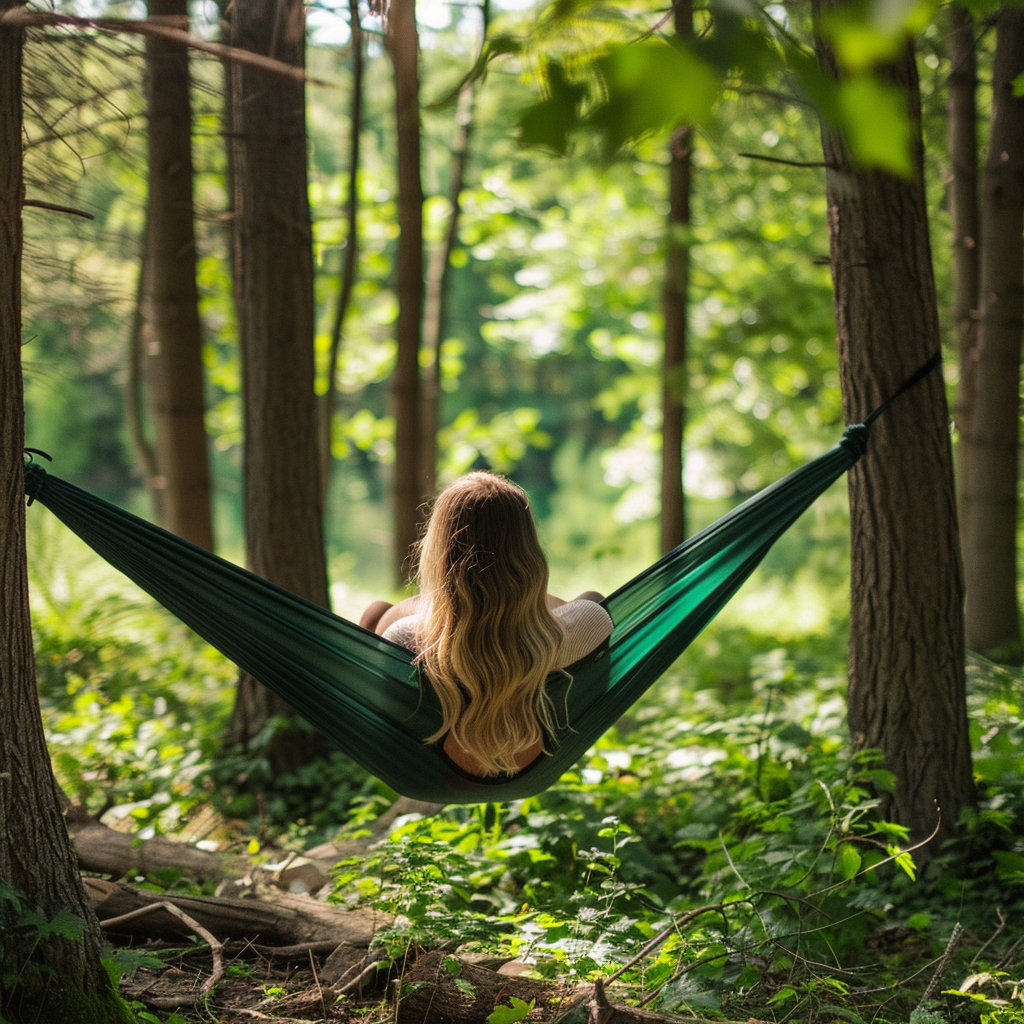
{"type": "Point", "coordinates": [486, 637]}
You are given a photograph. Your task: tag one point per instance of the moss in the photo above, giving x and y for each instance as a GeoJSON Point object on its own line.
{"type": "Point", "coordinates": [104, 1007]}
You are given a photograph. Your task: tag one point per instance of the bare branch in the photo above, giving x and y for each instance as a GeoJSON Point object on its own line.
{"type": "Point", "coordinates": [788, 163]}
{"type": "Point", "coordinates": [216, 946]}
{"type": "Point", "coordinates": [21, 17]}
{"type": "Point", "coordinates": [41, 204]}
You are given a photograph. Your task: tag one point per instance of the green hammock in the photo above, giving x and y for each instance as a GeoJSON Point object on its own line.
{"type": "Point", "coordinates": [363, 691]}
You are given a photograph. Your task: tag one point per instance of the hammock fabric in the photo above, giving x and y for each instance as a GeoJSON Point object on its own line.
{"type": "Point", "coordinates": [364, 692]}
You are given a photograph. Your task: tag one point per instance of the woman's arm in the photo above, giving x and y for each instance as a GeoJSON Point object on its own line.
{"type": "Point", "coordinates": [381, 614]}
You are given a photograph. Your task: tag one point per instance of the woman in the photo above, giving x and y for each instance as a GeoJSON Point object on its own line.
{"type": "Point", "coordinates": [486, 632]}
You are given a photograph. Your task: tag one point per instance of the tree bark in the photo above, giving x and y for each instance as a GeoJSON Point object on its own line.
{"type": "Point", "coordinates": [173, 341]}
{"type": "Point", "coordinates": [402, 41]}
{"type": "Point", "coordinates": [963, 203]}
{"type": "Point", "coordinates": [674, 296]}
{"type": "Point", "coordinates": [990, 557]}
{"type": "Point", "coordinates": [60, 979]}
{"type": "Point", "coordinates": [906, 687]}
{"type": "Point", "coordinates": [348, 271]}
{"type": "Point", "coordinates": [283, 496]}
{"type": "Point", "coordinates": [438, 274]}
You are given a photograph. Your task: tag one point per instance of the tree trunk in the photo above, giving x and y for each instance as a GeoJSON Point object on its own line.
{"type": "Point", "coordinates": [906, 689]}
{"type": "Point", "coordinates": [348, 271]}
{"type": "Point", "coordinates": [963, 202]}
{"type": "Point", "coordinates": [134, 401]}
{"type": "Point", "coordinates": [402, 42]}
{"type": "Point", "coordinates": [283, 497]}
{"type": "Point", "coordinates": [990, 556]}
{"type": "Point", "coordinates": [674, 307]}
{"type": "Point", "coordinates": [173, 342]}
{"type": "Point", "coordinates": [61, 979]}
{"type": "Point", "coordinates": [438, 273]}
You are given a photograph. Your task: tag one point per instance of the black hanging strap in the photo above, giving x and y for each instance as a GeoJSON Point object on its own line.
{"type": "Point", "coordinates": [914, 378]}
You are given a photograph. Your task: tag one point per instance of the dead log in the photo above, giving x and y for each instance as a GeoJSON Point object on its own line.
{"type": "Point", "coordinates": [443, 989]}
{"type": "Point", "coordinates": [271, 917]}
{"type": "Point", "coordinates": [105, 851]}
{"type": "Point", "coordinates": [117, 854]}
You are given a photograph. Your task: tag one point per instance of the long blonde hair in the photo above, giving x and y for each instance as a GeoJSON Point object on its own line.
{"type": "Point", "coordinates": [486, 638]}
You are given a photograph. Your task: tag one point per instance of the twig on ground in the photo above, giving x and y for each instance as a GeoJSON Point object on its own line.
{"type": "Point", "coordinates": [216, 946]}
{"type": "Point", "coordinates": [319, 988]}
{"type": "Point", "coordinates": [951, 947]}
{"type": "Point", "coordinates": [992, 938]}
{"type": "Point", "coordinates": [1007, 959]}
{"type": "Point", "coordinates": [353, 985]}
{"type": "Point", "coordinates": [299, 950]}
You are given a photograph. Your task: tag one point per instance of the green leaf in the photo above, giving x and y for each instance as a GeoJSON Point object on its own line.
{"type": "Point", "coordinates": [549, 123]}
{"type": "Point", "coordinates": [1018, 85]}
{"type": "Point", "coordinates": [467, 988]}
{"type": "Point", "coordinates": [652, 86]}
{"type": "Point", "coordinates": [67, 925]}
{"type": "Point", "coordinates": [848, 861]}
{"type": "Point", "coordinates": [905, 862]}
{"type": "Point", "coordinates": [864, 35]}
{"type": "Point", "coordinates": [876, 125]}
{"type": "Point", "coordinates": [516, 1011]}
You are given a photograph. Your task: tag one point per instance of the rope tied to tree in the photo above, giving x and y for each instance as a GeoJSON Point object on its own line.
{"type": "Point", "coordinates": [34, 473]}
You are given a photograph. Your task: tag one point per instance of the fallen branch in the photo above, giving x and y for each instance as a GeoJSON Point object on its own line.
{"type": "Point", "coordinates": [275, 917]}
{"type": "Point", "coordinates": [216, 946]}
{"type": "Point", "coordinates": [107, 852]}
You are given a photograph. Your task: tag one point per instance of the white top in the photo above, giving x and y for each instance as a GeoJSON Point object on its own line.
{"type": "Point", "coordinates": [587, 626]}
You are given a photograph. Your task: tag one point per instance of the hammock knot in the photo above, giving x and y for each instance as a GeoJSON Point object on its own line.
{"type": "Point", "coordinates": [34, 474]}
{"type": "Point", "coordinates": [855, 440]}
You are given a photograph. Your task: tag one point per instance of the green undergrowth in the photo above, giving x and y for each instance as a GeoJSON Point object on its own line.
{"type": "Point", "coordinates": [741, 845]}
{"type": "Point", "coordinates": [724, 826]}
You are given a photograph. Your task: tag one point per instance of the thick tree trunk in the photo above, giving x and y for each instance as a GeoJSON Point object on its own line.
{"type": "Point", "coordinates": [283, 496]}
{"type": "Point", "coordinates": [348, 270]}
{"type": "Point", "coordinates": [402, 41]}
{"type": "Point", "coordinates": [990, 555]}
{"type": "Point", "coordinates": [61, 979]}
{"type": "Point", "coordinates": [906, 689]}
{"type": "Point", "coordinates": [674, 302]}
{"type": "Point", "coordinates": [173, 342]}
{"type": "Point", "coordinates": [438, 273]}
{"type": "Point", "coordinates": [962, 119]}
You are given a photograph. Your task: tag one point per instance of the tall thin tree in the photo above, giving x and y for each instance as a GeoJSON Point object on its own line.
{"type": "Point", "coordinates": [172, 334]}
{"type": "Point", "coordinates": [674, 301]}
{"type": "Point", "coordinates": [435, 306]}
{"type": "Point", "coordinates": [61, 978]}
{"type": "Point", "coordinates": [402, 40]}
{"type": "Point", "coordinates": [906, 692]}
{"type": "Point", "coordinates": [962, 121]}
{"type": "Point", "coordinates": [351, 258]}
{"type": "Point", "coordinates": [990, 552]}
{"type": "Point", "coordinates": [283, 496]}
